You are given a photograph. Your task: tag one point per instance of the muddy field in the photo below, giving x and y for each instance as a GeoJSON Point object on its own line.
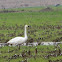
{"type": "Point", "coordinates": [27, 3]}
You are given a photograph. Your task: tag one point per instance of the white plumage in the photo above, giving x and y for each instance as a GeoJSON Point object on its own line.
{"type": "Point", "coordinates": [19, 40]}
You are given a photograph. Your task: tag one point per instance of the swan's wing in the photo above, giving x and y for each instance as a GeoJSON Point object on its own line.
{"type": "Point", "coordinates": [16, 40]}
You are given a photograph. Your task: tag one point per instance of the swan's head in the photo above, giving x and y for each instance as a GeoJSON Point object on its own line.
{"type": "Point", "coordinates": [26, 26]}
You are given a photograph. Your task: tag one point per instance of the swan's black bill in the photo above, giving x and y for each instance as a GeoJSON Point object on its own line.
{"type": "Point", "coordinates": [28, 26]}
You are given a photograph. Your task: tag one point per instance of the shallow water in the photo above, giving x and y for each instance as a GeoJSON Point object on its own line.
{"type": "Point", "coordinates": [34, 44]}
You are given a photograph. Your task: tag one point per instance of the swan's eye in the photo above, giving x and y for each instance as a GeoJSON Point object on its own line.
{"type": "Point", "coordinates": [28, 26]}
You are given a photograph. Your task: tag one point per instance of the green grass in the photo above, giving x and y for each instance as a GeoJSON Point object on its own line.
{"type": "Point", "coordinates": [40, 56]}
{"type": "Point", "coordinates": [39, 21]}
{"type": "Point", "coordinates": [44, 24]}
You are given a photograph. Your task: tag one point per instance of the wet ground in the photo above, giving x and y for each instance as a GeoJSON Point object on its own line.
{"type": "Point", "coordinates": [27, 3]}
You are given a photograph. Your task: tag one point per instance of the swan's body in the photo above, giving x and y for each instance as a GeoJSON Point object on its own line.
{"type": "Point", "coordinates": [19, 40]}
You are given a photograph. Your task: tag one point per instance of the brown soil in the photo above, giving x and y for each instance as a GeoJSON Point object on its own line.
{"type": "Point", "coordinates": [47, 9]}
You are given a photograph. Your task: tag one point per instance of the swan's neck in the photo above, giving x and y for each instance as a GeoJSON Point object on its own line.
{"type": "Point", "coordinates": [25, 33]}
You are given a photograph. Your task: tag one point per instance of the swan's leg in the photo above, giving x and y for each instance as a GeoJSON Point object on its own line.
{"type": "Point", "coordinates": [19, 46]}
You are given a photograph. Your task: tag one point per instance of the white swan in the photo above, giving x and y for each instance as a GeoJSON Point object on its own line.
{"type": "Point", "coordinates": [19, 40]}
